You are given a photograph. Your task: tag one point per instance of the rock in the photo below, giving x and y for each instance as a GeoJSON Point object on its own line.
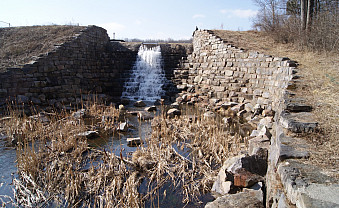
{"type": "Point", "coordinates": [123, 127]}
{"type": "Point", "coordinates": [122, 108]}
{"type": "Point", "coordinates": [133, 142]}
{"type": "Point", "coordinates": [265, 132]}
{"type": "Point", "coordinates": [145, 115]}
{"type": "Point", "coordinates": [267, 121]}
{"type": "Point", "coordinates": [298, 107]}
{"type": "Point", "coordinates": [288, 152]}
{"type": "Point", "coordinates": [82, 113]}
{"type": "Point", "coordinates": [241, 113]}
{"type": "Point", "coordinates": [238, 107]}
{"type": "Point", "coordinates": [175, 105]}
{"type": "Point", "coordinates": [197, 79]}
{"type": "Point", "coordinates": [268, 112]}
{"type": "Point", "coordinates": [209, 114]}
{"type": "Point", "coordinates": [228, 105]}
{"type": "Point", "coordinates": [125, 101]}
{"type": "Point", "coordinates": [173, 112]}
{"type": "Point", "coordinates": [247, 199]}
{"type": "Point", "coordinates": [22, 99]}
{"type": "Point", "coordinates": [254, 164]}
{"type": "Point", "coordinates": [258, 142]}
{"type": "Point", "coordinates": [89, 134]}
{"type": "Point", "coordinates": [134, 113]}
{"type": "Point", "coordinates": [222, 187]}
{"type": "Point", "coordinates": [194, 99]}
{"type": "Point", "coordinates": [244, 178]}
{"type": "Point", "coordinates": [222, 184]}
{"type": "Point", "coordinates": [298, 122]}
{"type": "Point", "coordinates": [307, 186]}
{"type": "Point", "coordinates": [182, 87]}
{"type": "Point", "coordinates": [227, 120]}
{"type": "Point", "coordinates": [139, 103]}
{"type": "Point", "coordinates": [41, 117]}
{"type": "Point", "coordinates": [249, 107]}
{"type": "Point", "coordinates": [151, 108]}
{"type": "Point", "coordinates": [257, 110]}
{"type": "Point", "coordinates": [42, 97]}
{"type": "Point", "coordinates": [186, 97]}
{"type": "Point", "coordinates": [179, 100]}
{"type": "Point", "coordinates": [35, 100]}
{"type": "Point", "coordinates": [254, 133]}
{"type": "Point", "coordinates": [214, 101]}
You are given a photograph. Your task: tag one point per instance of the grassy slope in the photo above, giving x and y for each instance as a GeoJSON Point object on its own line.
{"type": "Point", "coordinates": [320, 76]}
{"type": "Point", "coordinates": [20, 45]}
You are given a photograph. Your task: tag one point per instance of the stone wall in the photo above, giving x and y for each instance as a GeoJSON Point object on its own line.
{"type": "Point", "coordinates": [220, 73]}
{"type": "Point", "coordinates": [87, 64]}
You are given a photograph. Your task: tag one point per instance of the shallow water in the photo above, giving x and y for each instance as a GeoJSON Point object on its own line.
{"type": "Point", "coordinates": [7, 168]}
{"type": "Point", "coordinates": [117, 144]}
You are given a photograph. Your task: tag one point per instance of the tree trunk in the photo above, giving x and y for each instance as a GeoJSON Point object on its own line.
{"type": "Point", "coordinates": [310, 10]}
{"type": "Point", "coordinates": [303, 12]}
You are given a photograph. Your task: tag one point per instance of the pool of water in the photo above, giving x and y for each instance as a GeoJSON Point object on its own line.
{"type": "Point", "coordinates": [8, 168]}
{"type": "Point", "coordinates": [116, 143]}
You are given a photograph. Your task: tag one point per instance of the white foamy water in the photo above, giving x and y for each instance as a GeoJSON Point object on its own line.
{"type": "Point", "coordinates": [147, 78]}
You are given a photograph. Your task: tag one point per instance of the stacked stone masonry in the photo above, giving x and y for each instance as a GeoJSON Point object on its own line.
{"type": "Point", "coordinates": [222, 72]}
{"type": "Point", "coordinates": [85, 65]}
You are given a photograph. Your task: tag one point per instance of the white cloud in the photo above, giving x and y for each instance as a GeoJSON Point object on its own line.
{"type": "Point", "coordinates": [198, 16]}
{"type": "Point", "coordinates": [138, 22]}
{"type": "Point", "coordinates": [241, 13]}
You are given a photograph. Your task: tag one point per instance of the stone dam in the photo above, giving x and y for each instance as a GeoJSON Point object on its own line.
{"type": "Point", "coordinates": [209, 72]}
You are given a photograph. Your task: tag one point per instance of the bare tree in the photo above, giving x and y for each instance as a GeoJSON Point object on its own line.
{"type": "Point", "coordinates": [270, 14]}
{"type": "Point", "coordinates": [311, 23]}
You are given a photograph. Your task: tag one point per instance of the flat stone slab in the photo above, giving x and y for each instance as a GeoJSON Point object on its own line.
{"type": "Point", "coordinates": [292, 148]}
{"type": "Point", "coordinates": [298, 122]}
{"type": "Point", "coordinates": [298, 107]}
{"type": "Point", "coordinates": [247, 199]}
{"type": "Point", "coordinates": [306, 186]}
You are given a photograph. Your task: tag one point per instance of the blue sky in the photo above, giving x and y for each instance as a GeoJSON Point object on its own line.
{"type": "Point", "coordinates": [157, 19]}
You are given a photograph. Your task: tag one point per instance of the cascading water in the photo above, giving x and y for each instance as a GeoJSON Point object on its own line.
{"type": "Point", "coordinates": [147, 78]}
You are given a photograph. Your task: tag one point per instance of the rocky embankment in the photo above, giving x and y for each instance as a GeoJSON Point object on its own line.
{"type": "Point", "coordinates": [260, 89]}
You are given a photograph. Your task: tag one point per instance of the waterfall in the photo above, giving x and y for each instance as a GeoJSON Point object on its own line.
{"type": "Point", "coordinates": [147, 77]}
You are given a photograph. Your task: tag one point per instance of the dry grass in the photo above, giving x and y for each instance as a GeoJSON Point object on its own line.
{"type": "Point", "coordinates": [319, 86]}
{"type": "Point", "coordinates": [55, 165]}
{"type": "Point", "coordinates": [20, 45]}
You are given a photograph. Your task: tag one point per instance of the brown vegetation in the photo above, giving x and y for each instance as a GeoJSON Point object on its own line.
{"type": "Point", "coordinates": [56, 165]}
{"type": "Point", "coordinates": [20, 45]}
{"type": "Point", "coordinates": [312, 24]}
